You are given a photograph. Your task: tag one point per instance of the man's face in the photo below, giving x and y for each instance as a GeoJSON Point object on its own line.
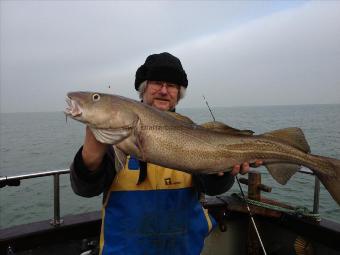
{"type": "Point", "coordinates": [162, 95]}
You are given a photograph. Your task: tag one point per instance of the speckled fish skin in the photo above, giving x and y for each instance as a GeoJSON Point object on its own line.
{"type": "Point", "coordinates": [158, 137]}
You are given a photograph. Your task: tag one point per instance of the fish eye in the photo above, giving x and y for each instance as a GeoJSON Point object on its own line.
{"type": "Point", "coordinates": [96, 97]}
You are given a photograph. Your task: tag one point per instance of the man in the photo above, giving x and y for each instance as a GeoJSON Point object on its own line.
{"type": "Point", "coordinates": [149, 209]}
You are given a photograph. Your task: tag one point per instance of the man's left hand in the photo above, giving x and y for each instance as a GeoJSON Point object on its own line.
{"type": "Point", "coordinates": [242, 169]}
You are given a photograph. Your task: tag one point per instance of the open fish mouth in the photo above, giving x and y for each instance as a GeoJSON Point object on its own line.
{"type": "Point", "coordinates": [73, 109]}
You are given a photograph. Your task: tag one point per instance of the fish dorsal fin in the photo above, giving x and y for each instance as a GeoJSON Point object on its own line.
{"type": "Point", "coordinates": [180, 117]}
{"type": "Point", "coordinates": [282, 172]}
{"type": "Point", "coordinates": [223, 128]}
{"type": "Point", "coordinates": [292, 136]}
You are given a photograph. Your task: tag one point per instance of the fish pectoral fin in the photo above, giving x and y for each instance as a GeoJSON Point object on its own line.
{"type": "Point", "coordinates": [292, 136]}
{"type": "Point", "coordinates": [282, 172]}
{"type": "Point", "coordinates": [120, 159]}
{"type": "Point", "coordinates": [139, 146]}
{"type": "Point", "coordinates": [110, 136]}
{"type": "Point", "coordinates": [223, 128]}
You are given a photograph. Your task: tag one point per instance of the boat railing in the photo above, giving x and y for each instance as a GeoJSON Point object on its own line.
{"type": "Point", "coordinates": [316, 201]}
{"type": "Point", "coordinates": [56, 221]}
{"type": "Point", "coordinates": [15, 181]}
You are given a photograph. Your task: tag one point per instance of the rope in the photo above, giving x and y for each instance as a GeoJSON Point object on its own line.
{"type": "Point", "coordinates": [299, 210]}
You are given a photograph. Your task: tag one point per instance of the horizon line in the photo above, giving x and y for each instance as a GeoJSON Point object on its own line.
{"type": "Point", "coordinates": [193, 107]}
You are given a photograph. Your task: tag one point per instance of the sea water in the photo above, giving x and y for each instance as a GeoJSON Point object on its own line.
{"type": "Point", "coordinates": [33, 142]}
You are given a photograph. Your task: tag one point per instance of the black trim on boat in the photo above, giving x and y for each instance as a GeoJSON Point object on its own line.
{"type": "Point", "coordinates": [30, 236]}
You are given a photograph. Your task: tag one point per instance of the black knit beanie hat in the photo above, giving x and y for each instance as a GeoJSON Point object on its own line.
{"type": "Point", "coordinates": [161, 67]}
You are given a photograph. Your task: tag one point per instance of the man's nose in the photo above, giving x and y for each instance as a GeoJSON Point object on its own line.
{"type": "Point", "coordinates": [164, 89]}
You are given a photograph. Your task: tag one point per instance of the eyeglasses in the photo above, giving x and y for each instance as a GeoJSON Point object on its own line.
{"type": "Point", "coordinates": [158, 85]}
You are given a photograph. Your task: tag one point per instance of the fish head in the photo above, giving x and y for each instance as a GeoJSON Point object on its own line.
{"type": "Point", "coordinates": [99, 110]}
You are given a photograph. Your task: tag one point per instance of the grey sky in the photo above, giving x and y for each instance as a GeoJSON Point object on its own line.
{"type": "Point", "coordinates": [235, 53]}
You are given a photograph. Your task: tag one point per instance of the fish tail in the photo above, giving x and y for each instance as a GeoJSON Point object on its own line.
{"type": "Point", "coordinates": [330, 178]}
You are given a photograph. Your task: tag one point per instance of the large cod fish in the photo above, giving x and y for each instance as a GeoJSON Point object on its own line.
{"type": "Point", "coordinates": [165, 139]}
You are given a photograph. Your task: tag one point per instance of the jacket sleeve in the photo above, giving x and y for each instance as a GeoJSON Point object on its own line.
{"type": "Point", "coordinates": [212, 184]}
{"type": "Point", "coordinates": [88, 183]}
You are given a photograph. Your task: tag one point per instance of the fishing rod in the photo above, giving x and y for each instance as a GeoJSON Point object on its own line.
{"type": "Point", "coordinates": [206, 102]}
{"type": "Point", "coordinates": [242, 193]}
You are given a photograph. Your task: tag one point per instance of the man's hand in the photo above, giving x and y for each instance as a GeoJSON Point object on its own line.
{"type": "Point", "coordinates": [93, 151]}
{"type": "Point", "coordinates": [242, 169]}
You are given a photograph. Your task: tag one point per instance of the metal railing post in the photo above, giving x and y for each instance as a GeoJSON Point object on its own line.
{"type": "Point", "coordinates": [316, 195]}
{"type": "Point", "coordinates": [15, 180]}
{"type": "Point", "coordinates": [56, 221]}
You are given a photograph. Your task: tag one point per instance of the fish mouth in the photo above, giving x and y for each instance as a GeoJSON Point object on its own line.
{"type": "Point", "coordinates": [73, 108]}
